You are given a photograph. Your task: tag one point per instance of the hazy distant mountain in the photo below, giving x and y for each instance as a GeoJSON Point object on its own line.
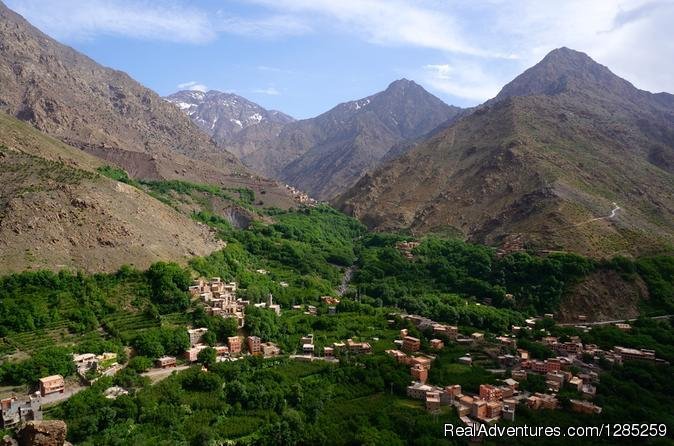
{"type": "Point", "coordinates": [540, 166]}
{"type": "Point", "coordinates": [105, 112]}
{"type": "Point", "coordinates": [234, 122]}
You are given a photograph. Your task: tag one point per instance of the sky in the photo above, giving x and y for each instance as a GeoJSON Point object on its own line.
{"type": "Point", "coordinates": [305, 56]}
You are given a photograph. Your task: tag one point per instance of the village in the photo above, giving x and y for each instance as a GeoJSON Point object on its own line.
{"type": "Point", "coordinates": [499, 402]}
{"type": "Point", "coordinates": [490, 404]}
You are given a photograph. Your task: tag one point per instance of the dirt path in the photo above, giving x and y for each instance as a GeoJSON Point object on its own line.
{"type": "Point", "coordinates": [348, 275]}
{"type": "Point", "coordinates": [157, 375]}
{"type": "Point", "coordinates": [613, 213]}
{"type": "Point", "coordinates": [616, 321]}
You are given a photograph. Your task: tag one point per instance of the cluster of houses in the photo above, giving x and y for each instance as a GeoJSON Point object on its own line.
{"type": "Point", "coordinates": [425, 324]}
{"type": "Point", "coordinates": [14, 411]}
{"type": "Point", "coordinates": [220, 299]}
{"type": "Point", "coordinates": [406, 248]}
{"type": "Point", "coordinates": [499, 402]}
{"type": "Point", "coordinates": [301, 197]}
{"type": "Point", "coordinates": [234, 348]}
{"type": "Point", "coordinates": [492, 403]}
{"type": "Point", "coordinates": [90, 367]}
{"type": "Point", "coordinates": [309, 351]}
{"type": "Point", "coordinates": [419, 364]}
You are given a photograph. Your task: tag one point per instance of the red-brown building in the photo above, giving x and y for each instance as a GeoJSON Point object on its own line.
{"type": "Point", "coordinates": [437, 344]}
{"type": "Point", "coordinates": [254, 345]}
{"type": "Point", "coordinates": [411, 344]}
{"type": "Point", "coordinates": [234, 343]}
{"type": "Point", "coordinates": [433, 401]}
{"type": "Point", "coordinates": [478, 408]}
{"type": "Point", "coordinates": [52, 384]}
{"type": "Point", "coordinates": [419, 373]}
{"type": "Point", "coordinates": [490, 393]}
{"type": "Point", "coordinates": [549, 365]}
{"type": "Point", "coordinates": [585, 407]}
{"type": "Point", "coordinates": [165, 362]}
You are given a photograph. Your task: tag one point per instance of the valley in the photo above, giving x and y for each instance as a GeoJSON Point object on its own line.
{"type": "Point", "coordinates": [301, 257]}
{"type": "Point", "coordinates": [195, 268]}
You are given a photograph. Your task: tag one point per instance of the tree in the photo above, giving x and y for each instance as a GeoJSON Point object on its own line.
{"type": "Point", "coordinates": [148, 343]}
{"type": "Point", "coordinates": [195, 379]}
{"type": "Point", "coordinates": [140, 363]}
{"type": "Point", "coordinates": [209, 338]}
{"type": "Point", "coordinates": [130, 378]}
{"type": "Point", "coordinates": [168, 284]}
{"type": "Point", "coordinates": [207, 356]}
{"type": "Point", "coordinates": [262, 322]}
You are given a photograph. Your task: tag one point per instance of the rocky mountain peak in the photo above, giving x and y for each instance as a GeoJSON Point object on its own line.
{"type": "Point", "coordinates": [402, 84]}
{"type": "Point", "coordinates": [564, 70]}
{"type": "Point", "coordinates": [558, 146]}
{"type": "Point", "coordinates": [230, 110]}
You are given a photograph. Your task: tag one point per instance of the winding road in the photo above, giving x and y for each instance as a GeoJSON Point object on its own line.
{"type": "Point", "coordinates": [616, 321]}
{"type": "Point", "coordinates": [613, 213]}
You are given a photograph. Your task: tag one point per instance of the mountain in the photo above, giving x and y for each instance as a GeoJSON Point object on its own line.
{"type": "Point", "coordinates": [106, 113]}
{"type": "Point", "coordinates": [327, 154]}
{"type": "Point", "coordinates": [568, 156]}
{"type": "Point", "coordinates": [234, 122]}
{"type": "Point", "coordinates": [57, 212]}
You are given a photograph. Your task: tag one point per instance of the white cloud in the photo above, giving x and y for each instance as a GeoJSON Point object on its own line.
{"type": "Point", "coordinates": [460, 79]}
{"type": "Point", "coordinates": [262, 27]}
{"type": "Point", "coordinates": [80, 19]}
{"type": "Point", "coordinates": [483, 43]}
{"type": "Point", "coordinates": [270, 91]}
{"type": "Point", "coordinates": [193, 86]}
{"type": "Point", "coordinates": [274, 69]}
{"type": "Point", "coordinates": [632, 37]}
{"type": "Point", "coordinates": [387, 22]}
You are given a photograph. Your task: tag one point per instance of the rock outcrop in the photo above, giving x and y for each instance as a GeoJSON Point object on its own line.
{"type": "Point", "coordinates": [43, 433]}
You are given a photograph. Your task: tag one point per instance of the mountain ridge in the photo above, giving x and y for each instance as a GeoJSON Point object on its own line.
{"type": "Point", "coordinates": [538, 166]}
{"type": "Point", "coordinates": [234, 122]}
{"type": "Point", "coordinates": [58, 212]}
{"type": "Point", "coordinates": [340, 145]}
{"type": "Point", "coordinates": [108, 114]}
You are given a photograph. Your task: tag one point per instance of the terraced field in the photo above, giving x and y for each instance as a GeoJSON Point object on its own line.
{"type": "Point", "coordinates": [128, 325]}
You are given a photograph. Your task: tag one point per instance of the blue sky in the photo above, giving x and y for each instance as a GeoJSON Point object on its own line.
{"type": "Point", "coordinates": [305, 56]}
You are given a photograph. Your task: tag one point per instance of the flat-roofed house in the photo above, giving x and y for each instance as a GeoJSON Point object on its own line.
{"type": "Point", "coordinates": [52, 384]}
{"type": "Point", "coordinates": [165, 362]}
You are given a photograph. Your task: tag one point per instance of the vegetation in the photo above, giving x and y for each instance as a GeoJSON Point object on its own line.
{"type": "Point", "coordinates": [537, 284]}
{"type": "Point", "coordinates": [157, 342]}
{"type": "Point", "coordinates": [298, 258]}
{"type": "Point", "coordinates": [305, 250]}
{"type": "Point", "coordinates": [43, 362]}
{"type": "Point", "coordinates": [117, 174]}
{"type": "Point", "coordinates": [658, 273]}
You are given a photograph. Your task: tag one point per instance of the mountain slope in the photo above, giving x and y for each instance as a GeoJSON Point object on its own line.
{"type": "Point", "coordinates": [57, 212]}
{"type": "Point", "coordinates": [106, 113]}
{"type": "Point", "coordinates": [540, 166]}
{"type": "Point", "coordinates": [234, 123]}
{"type": "Point", "coordinates": [326, 154]}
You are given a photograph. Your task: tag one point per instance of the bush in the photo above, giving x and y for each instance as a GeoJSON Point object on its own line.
{"type": "Point", "coordinates": [140, 364]}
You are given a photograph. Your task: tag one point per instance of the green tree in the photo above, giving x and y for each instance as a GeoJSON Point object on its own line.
{"type": "Point", "coordinates": [168, 284]}
{"type": "Point", "coordinates": [207, 357]}
{"type": "Point", "coordinates": [140, 364]}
